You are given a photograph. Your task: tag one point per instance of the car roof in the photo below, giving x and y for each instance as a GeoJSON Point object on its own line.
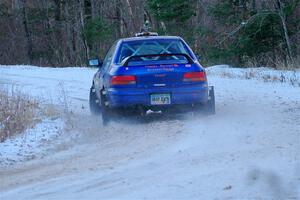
{"type": "Point", "coordinates": [148, 38]}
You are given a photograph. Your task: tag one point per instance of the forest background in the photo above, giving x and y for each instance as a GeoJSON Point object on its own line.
{"type": "Point", "coordinates": [57, 33]}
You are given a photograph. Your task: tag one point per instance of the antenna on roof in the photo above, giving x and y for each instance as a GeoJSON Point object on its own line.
{"type": "Point", "coordinates": [145, 31]}
{"type": "Point", "coordinates": [146, 26]}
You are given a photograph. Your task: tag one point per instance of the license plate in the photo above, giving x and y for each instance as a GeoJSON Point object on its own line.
{"type": "Point", "coordinates": [160, 99]}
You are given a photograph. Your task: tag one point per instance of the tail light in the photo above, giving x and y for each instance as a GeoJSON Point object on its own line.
{"type": "Point", "coordinates": [194, 76]}
{"type": "Point", "coordinates": [123, 80]}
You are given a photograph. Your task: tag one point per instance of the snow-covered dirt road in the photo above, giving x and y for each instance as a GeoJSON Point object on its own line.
{"type": "Point", "coordinates": [249, 150]}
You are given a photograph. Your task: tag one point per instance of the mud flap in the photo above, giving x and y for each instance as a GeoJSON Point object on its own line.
{"type": "Point", "coordinates": [210, 105]}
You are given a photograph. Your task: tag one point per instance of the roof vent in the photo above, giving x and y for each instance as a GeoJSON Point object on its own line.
{"type": "Point", "coordinates": [146, 33]}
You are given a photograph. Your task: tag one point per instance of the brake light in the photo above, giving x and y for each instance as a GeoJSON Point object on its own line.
{"type": "Point", "coordinates": [194, 76]}
{"type": "Point", "coordinates": [123, 80]}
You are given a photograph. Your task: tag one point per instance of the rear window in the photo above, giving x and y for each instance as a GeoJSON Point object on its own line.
{"type": "Point", "coordinates": [146, 47]}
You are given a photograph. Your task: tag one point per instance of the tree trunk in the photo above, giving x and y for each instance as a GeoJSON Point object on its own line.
{"type": "Point", "coordinates": [129, 6]}
{"type": "Point", "coordinates": [82, 23]}
{"type": "Point", "coordinates": [254, 6]}
{"type": "Point", "coordinates": [27, 33]}
{"type": "Point", "coordinates": [285, 29]}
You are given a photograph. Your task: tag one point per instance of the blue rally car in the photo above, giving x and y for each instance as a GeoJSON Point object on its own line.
{"type": "Point", "coordinates": [149, 72]}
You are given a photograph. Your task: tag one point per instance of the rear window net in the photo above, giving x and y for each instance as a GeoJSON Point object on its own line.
{"type": "Point", "coordinates": [155, 47]}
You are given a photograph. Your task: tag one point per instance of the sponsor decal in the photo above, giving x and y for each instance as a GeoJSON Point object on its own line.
{"type": "Point", "coordinates": [151, 66]}
{"type": "Point", "coordinates": [162, 66]}
{"type": "Point", "coordinates": [160, 69]}
{"type": "Point", "coordinates": [159, 75]}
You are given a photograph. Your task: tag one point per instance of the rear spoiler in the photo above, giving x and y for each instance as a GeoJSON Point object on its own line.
{"type": "Point", "coordinates": [127, 60]}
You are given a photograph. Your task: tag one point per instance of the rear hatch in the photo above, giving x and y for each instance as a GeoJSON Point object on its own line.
{"type": "Point", "coordinates": [160, 75]}
{"type": "Point", "coordinates": [164, 72]}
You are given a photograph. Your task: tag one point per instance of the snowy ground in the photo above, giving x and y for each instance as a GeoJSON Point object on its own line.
{"type": "Point", "coordinates": [249, 150]}
{"type": "Point", "coordinates": [30, 144]}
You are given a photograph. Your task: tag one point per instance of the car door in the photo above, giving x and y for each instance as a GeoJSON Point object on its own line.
{"type": "Point", "coordinates": [99, 83]}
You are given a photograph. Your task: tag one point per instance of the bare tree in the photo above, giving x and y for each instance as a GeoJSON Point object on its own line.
{"type": "Point", "coordinates": [279, 7]}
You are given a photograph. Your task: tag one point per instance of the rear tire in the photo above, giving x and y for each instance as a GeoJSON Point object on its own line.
{"type": "Point", "coordinates": [94, 102]}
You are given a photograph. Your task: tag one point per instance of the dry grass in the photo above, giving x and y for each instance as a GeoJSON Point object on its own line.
{"type": "Point", "coordinates": [17, 113]}
{"type": "Point", "coordinates": [289, 65]}
{"type": "Point", "coordinates": [276, 63]}
{"type": "Point", "coordinates": [50, 111]}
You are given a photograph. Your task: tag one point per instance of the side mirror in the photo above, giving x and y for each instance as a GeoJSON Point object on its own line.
{"type": "Point", "coordinates": [95, 63]}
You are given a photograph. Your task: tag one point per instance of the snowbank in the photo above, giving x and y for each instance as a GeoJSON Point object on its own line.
{"type": "Point", "coordinates": [263, 73]}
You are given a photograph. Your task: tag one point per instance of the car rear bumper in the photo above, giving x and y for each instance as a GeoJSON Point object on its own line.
{"type": "Point", "coordinates": [123, 97]}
